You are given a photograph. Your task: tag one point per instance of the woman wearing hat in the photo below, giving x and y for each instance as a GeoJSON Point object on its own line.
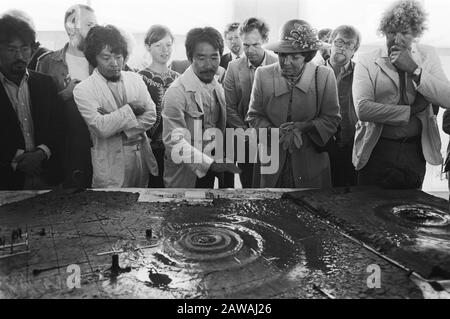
{"type": "Point", "coordinates": [301, 100]}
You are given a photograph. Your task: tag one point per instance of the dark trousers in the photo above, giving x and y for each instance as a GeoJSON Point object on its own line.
{"type": "Point", "coordinates": [246, 175]}
{"type": "Point", "coordinates": [395, 165]}
{"type": "Point", "coordinates": [343, 172]}
{"type": "Point", "coordinates": [158, 181]}
{"type": "Point", "coordinates": [207, 181]}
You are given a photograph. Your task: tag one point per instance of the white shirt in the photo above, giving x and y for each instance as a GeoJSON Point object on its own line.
{"type": "Point", "coordinates": [78, 67]}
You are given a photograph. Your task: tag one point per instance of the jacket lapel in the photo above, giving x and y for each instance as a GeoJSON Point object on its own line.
{"type": "Point", "coordinates": [111, 104]}
{"type": "Point", "coordinates": [389, 70]}
{"type": "Point", "coordinates": [280, 87]}
{"type": "Point", "coordinates": [307, 79]}
{"type": "Point", "coordinates": [244, 76]}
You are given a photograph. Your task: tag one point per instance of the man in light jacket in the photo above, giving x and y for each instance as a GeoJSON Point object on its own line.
{"type": "Point", "coordinates": [239, 81]}
{"type": "Point", "coordinates": [393, 89]}
{"type": "Point", "coordinates": [118, 110]}
{"type": "Point", "coordinates": [195, 103]}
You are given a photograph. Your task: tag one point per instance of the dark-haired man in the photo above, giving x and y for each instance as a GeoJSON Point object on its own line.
{"type": "Point", "coordinates": [118, 110]}
{"type": "Point", "coordinates": [239, 81]}
{"type": "Point", "coordinates": [194, 103]}
{"type": "Point", "coordinates": [29, 122]}
{"type": "Point", "coordinates": [68, 67]}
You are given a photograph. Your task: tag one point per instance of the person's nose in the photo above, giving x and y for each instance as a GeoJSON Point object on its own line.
{"type": "Point", "coordinates": [287, 60]}
{"type": "Point", "coordinates": [114, 62]}
{"type": "Point", "coordinates": [398, 38]}
{"type": "Point", "coordinates": [19, 54]}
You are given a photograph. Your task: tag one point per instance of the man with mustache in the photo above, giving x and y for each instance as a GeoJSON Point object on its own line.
{"type": "Point", "coordinates": [68, 67]}
{"type": "Point", "coordinates": [394, 88]}
{"type": "Point", "coordinates": [118, 111]}
{"type": "Point", "coordinates": [30, 128]}
{"type": "Point", "coordinates": [238, 84]}
{"type": "Point", "coordinates": [194, 103]}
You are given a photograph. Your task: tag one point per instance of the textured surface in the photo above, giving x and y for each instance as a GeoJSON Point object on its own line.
{"type": "Point", "coordinates": [385, 220]}
{"type": "Point", "coordinates": [226, 248]}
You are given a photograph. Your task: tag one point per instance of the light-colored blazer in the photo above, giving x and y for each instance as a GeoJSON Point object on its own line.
{"type": "Point", "coordinates": [182, 106]}
{"type": "Point", "coordinates": [107, 151]}
{"type": "Point", "coordinates": [269, 106]}
{"type": "Point", "coordinates": [238, 88]}
{"type": "Point", "coordinates": [376, 92]}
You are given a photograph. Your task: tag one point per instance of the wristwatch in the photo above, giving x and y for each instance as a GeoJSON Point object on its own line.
{"type": "Point", "coordinates": [416, 74]}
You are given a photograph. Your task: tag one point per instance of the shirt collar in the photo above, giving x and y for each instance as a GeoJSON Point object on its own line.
{"type": "Point", "coordinates": [4, 79]}
{"type": "Point", "coordinates": [251, 66]}
{"type": "Point", "coordinates": [235, 57]}
{"type": "Point", "coordinates": [346, 67]}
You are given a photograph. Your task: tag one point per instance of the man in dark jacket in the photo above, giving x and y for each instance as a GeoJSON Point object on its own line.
{"type": "Point", "coordinates": [30, 127]}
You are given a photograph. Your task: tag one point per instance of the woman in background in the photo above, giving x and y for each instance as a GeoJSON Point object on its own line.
{"type": "Point", "coordinates": [158, 77]}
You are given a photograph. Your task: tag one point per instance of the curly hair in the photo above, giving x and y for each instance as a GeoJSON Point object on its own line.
{"type": "Point", "coordinates": [402, 15]}
{"type": "Point", "coordinates": [255, 24]}
{"type": "Point", "coordinates": [199, 35]}
{"type": "Point", "coordinates": [99, 38]}
{"type": "Point", "coordinates": [13, 27]}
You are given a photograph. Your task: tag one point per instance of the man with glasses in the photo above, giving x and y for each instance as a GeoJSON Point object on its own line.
{"type": "Point", "coordinates": [30, 128]}
{"type": "Point", "coordinates": [345, 41]}
{"type": "Point", "coordinates": [239, 81]}
{"type": "Point", "coordinates": [394, 88]}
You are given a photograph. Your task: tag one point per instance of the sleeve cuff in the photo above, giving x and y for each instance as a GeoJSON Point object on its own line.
{"type": "Point", "coordinates": [46, 150]}
{"type": "Point", "coordinates": [203, 168]}
{"type": "Point", "coordinates": [14, 163]}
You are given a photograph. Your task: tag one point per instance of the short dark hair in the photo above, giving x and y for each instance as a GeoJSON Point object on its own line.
{"type": "Point", "coordinates": [199, 35]}
{"type": "Point", "coordinates": [349, 32]}
{"type": "Point", "coordinates": [231, 27]}
{"type": "Point", "coordinates": [156, 33]}
{"type": "Point", "coordinates": [255, 24]}
{"type": "Point", "coordinates": [100, 37]}
{"type": "Point", "coordinates": [74, 8]}
{"type": "Point", "coordinates": [12, 27]}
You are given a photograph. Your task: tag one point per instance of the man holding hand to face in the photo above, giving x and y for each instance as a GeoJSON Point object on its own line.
{"type": "Point", "coordinates": [394, 88]}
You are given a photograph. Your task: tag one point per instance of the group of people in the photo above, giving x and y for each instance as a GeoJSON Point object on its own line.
{"type": "Point", "coordinates": [83, 118]}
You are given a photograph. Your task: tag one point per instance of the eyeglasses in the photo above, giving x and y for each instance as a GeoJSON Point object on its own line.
{"type": "Point", "coordinates": [341, 43]}
{"type": "Point", "coordinates": [24, 51]}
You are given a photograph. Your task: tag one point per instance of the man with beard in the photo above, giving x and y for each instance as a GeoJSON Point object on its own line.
{"type": "Point", "coordinates": [118, 111]}
{"type": "Point", "coordinates": [195, 103]}
{"type": "Point", "coordinates": [234, 44]}
{"type": "Point", "coordinates": [345, 41]}
{"type": "Point", "coordinates": [394, 88]}
{"type": "Point", "coordinates": [68, 67]}
{"type": "Point", "coordinates": [29, 124]}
